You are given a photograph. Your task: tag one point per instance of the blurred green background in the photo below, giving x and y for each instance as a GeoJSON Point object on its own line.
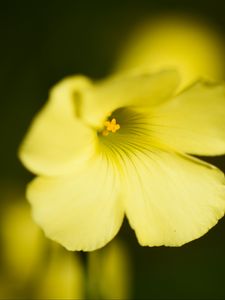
{"type": "Point", "coordinates": [42, 42]}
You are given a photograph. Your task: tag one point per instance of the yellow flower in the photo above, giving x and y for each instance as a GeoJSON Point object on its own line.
{"type": "Point", "coordinates": [121, 146]}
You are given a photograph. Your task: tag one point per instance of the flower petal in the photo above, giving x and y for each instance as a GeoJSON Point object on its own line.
{"type": "Point", "coordinates": [190, 46]}
{"type": "Point", "coordinates": [129, 90]}
{"type": "Point", "coordinates": [172, 199]}
{"type": "Point", "coordinates": [81, 211]}
{"type": "Point", "coordinates": [193, 122]}
{"type": "Point", "coordinates": [57, 140]}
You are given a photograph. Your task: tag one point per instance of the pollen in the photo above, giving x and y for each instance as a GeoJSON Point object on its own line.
{"type": "Point", "coordinates": [110, 126]}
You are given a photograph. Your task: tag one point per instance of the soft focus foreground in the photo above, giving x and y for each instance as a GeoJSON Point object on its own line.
{"type": "Point", "coordinates": [33, 267]}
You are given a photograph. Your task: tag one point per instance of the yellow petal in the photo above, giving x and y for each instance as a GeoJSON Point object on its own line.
{"type": "Point", "coordinates": [172, 200]}
{"type": "Point", "coordinates": [81, 211]}
{"type": "Point", "coordinates": [57, 140]}
{"type": "Point", "coordinates": [193, 122]}
{"type": "Point", "coordinates": [129, 90]}
{"type": "Point", "coordinates": [192, 47]}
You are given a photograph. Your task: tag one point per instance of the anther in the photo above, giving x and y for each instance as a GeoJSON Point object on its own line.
{"type": "Point", "coordinates": [111, 126]}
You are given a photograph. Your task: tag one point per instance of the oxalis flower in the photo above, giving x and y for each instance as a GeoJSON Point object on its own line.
{"type": "Point", "coordinates": [121, 146]}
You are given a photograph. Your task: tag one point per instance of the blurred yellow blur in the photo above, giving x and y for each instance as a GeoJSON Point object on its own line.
{"type": "Point", "coordinates": [175, 41]}
{"type": "Point", "coordinates": [109, 272]}
{"type": "Point", "coordinates": [63, 278]}
{"type": "Point", "coordinates": [22, 241]}
{"type": "Point", "coordinates": [31, 265]}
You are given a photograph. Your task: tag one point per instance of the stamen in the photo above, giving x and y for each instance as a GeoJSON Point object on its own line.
{"type": "Point", "coordinates": [111, 126]}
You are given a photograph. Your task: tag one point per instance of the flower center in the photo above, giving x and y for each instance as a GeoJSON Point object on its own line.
{"type": "Point", "coordinates": [110, 126]}
{"type": "Point", "coordinates": [125, 132]}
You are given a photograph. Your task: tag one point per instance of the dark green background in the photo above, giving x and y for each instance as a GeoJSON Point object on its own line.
{"type": "Point", "coordinates": [42, 42]}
